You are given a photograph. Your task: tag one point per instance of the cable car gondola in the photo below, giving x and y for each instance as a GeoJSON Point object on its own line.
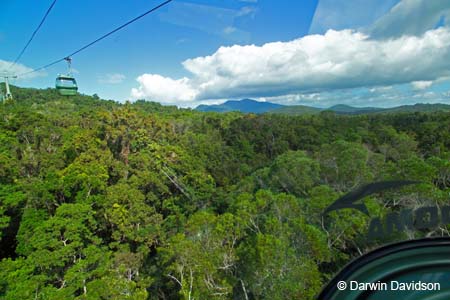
{"type": "Point", "coordinates": [66, 84]}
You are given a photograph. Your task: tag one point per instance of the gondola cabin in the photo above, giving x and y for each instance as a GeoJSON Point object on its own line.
{"type": "Point", "coordinates": [66, 85]}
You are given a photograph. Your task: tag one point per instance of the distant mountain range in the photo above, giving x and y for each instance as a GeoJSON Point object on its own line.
{"type": "Point", "coordinates": [244, 105]}
{"type": "Point", "coordinates": [257, 107]}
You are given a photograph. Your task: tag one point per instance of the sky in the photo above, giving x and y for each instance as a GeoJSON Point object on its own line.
{"type": "Point", "coordinates": [379, 53]}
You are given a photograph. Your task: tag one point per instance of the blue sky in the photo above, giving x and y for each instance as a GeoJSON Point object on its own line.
{"type": "Point", "coordinates": [378, 53]}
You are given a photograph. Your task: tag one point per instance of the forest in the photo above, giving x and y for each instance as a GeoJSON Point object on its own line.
{"type": "Point", "coordinates": [108, 200]}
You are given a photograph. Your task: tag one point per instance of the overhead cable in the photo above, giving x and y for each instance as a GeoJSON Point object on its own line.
{"type": "Point", "coordinates": [97, 40]}
{"type": "Point", "coordinates": [34, 33]}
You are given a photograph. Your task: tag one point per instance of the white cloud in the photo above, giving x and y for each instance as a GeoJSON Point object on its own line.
{"type": "Point", "coordinates": [336, 60]}
{"type": "Point", "coordinates": [111, 78]}
{"type": "Point", "coordinates": [163, 89]}
{"type": "Point", "coordinates": [363, 97]}
{"type": "Point", "coordinates": [380, 18]}
{"type": "Point", "coordinates": [411, 17]}
{"type": "Point", "coordinates": [421, 85]}
{"type": "Point", "coordinates": [347, 14]}
{"type": "Point", "coordinates": [379, 89]}
{"type": "Point", "coordinates": [6, 67]}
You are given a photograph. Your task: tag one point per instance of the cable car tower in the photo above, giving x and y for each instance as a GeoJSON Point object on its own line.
{"type": "Point", "coordinates": [6, 96]}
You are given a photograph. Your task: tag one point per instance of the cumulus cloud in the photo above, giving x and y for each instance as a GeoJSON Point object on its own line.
{"type": "Point", "coordinates": [163, 89]}
{"type": "Point", "coordinates": [336, 60]}
{"type": "Point", "coordinates": [6, 67]}
{"type": "Point", "coordinates": [411, 17]}
{"type": "Point", "coordinates": [111, 78]}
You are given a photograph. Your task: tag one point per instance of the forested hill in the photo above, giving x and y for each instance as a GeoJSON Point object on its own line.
{"type": "Point", "coordinates": [100, 200]}
{"type": "Point", "coordinates": [244, 105]}
{"type": "Point", "coordinates": [253, 106]}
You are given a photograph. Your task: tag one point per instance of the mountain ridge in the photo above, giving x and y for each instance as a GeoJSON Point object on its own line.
{"type": "Point", "coordinates": [244, 105]}
{"type": "Point", "coordinates": [258, 107]}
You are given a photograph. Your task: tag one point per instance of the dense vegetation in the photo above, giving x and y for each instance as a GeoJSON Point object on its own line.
{"type": "Point", "coordinates": [100, 200]}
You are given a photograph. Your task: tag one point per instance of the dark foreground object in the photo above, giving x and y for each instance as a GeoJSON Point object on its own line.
{"type": "Point", "coordinates": [413, 270]}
